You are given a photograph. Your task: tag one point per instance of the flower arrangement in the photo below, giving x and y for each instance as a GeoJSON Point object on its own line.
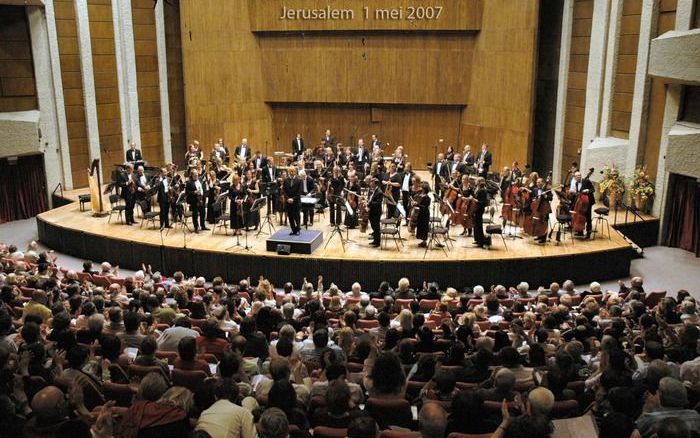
{"type": "Point", "coordinates": [641, 185]}
{"type": "Point", "coordinates": [612, 182]}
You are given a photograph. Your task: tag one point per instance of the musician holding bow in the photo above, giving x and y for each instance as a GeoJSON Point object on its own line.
{"type": "Point", "coordinates": [482, 200]}
{"type": "Point", "coordinates": [422, 203]}
{"type": "Point", "coordinates": [163, 195]}
{"type": "Point", "coordinates": [540, 210]}
{"type": "Point", "coordinates": [579, 186]}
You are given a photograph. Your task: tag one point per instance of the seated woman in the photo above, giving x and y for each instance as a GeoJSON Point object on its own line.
{"type": "Point", "coordinates": [426, 341]}
{"type": "Point", "coordinates": [476, 422]}
{"type": "Point", "coordinates": [339, 410]}
{"type": "Point", "coordinates": [187, 357]}
{"type": "Point", "coordinates": [212, 340]}
{"type": "Point", "coordinates": [442, 387]}
{"type": "Point", "coordinates": [168, 416]}
{"type": "Point", "coordinates": [423, 370]}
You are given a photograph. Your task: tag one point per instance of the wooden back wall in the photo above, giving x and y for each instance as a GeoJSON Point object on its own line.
{"type": "Point", "coordinates": [467, 77]}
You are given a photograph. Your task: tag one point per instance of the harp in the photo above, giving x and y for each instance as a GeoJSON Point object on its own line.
{"type": "Point", "coordinates": [94, 182]}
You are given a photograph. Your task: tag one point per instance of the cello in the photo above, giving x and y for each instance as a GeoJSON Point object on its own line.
{"type": "Point", "coordinates": [578, 217]}
{"type": "Point", "coordinates": [541, 209]}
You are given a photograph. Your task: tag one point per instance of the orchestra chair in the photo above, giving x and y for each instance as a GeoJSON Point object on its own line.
{"type": "Point", "coordinates": [442, 232]}
{"type": "Point", "coordinates": [654, 297]}
{"type": "Point", "coordinates": [221, 218]}
{"type": "Point", "coordinates": [389, 433]}
{"type": "Point", "coordinates": [149, 216]}
{"type": "Point", "coordinates": [83, 199]}
{"type": "Point", "coordinates": [492, 229]}
{"type": "Point", "coordinates": [123, 394]}
{"type": "Point", "coordinates": [564, 409]}
{"type": "Point", "coordinates": [391, 229]}
{"type": "Point", "coordinates": [330, 432]}
{"type": "Point", "coordinates": [390, 412]}
{"type": "Point", "coordinates": [469, 435]}
{"type": "Point", "coordinates": [561, 228]}
{"type": "Point", "coordinates": [116, 207]}
{"type": "Point", "coordinates": [413, 389]}
{"type": "Point", "coordinates": [367, 323]}
{"type": "Point", "coordinates": [427, 305]}
{"type": "Point", "coordinates": [190, 379]}
{"type": "Point", "coordinates": [83, 276]}
{"type": "Point", "coordinates": [600, 219]}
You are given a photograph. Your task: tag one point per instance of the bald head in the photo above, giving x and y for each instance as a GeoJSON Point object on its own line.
{"type": "Point", "coordinates": [541, 401]}
{"type": "Point", "coordinates": [46, 403]}
{"type": "Point", "coordinates": [504, 380]}
{"type": "Point", "coordinates": [432, 420]}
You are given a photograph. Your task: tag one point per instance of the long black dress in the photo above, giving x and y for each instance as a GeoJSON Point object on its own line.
{"type": "Point", "coordinates": [252, 217]}
{"type": "Point", "coordinates": [236, 193]}
{"type": "Point", "coordinates": [423, 225]}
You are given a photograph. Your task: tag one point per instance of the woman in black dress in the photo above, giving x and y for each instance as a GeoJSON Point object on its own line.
{"type": "Point", "coordinates": [422, 203]}
{"type": "Point", "coordinates": [237, 195]}
{"type": "Point", "coordinates": [353, 186]}
{"type": "Point", "coordinates": [211, 185]}
{"type": "Point", "coordinates": [253, 191]}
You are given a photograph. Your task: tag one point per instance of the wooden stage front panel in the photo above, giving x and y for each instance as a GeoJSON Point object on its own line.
{"type": "Point", "coordinates": [77, 233]}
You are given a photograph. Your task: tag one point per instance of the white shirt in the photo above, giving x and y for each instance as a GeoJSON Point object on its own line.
{"type": "Point", "coordinates": [439, 167]}
{"type": "Point", "coordinates": [406, 182]}
{"type": "Point", "coordinates": [198, 186]}
{"type": "Point", "coordinates": [243, 150]}
{"type": "Point", "coordinates": [165, 185]}
{"type": "Point", "coordinates": [224, 419]}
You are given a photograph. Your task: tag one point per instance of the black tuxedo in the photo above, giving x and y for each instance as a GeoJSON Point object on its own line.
{"type": "Point", "coordinates": [482, 199]}
{"type": "Point", "coordinates": [292, 188]}
{"type": "Point", "coordinates": [260, 162]}
{"type": "Point", "coordinates": [469, 159]}
{"type": "Point", "coordinates": [329, 141]}
{"type": "Point", "coordinates": [361, 159]}
{"type": "Point", "coordinates": [134, 155]}
{"type": "Point", "coordinates": [406, 194]}
{"type": "Point", "coordinates": [247, 154]}
{"type": "Point", "coordinates": [266, 177]}
{"type": "Point", "coordinates": [298, 147]}
{"type": "Point", "coordinates": [377, 144]}
{"type": "Point", "coordinates": [129, 197]}
{"type": "Point", "coordinates": [163, 201]}
{"type": "Point", "coordinates": [486, 158]}
{"type": "Point", "coordinates": [307, 210]}
{"type": "Point", "coordinates": [197, 205]}
{"type": "Point", "coordinates": [374, 201]}
{"type": "Point", "coordinates": [440, 169]}
{"type": "Point", "coordinates": [459, 167]}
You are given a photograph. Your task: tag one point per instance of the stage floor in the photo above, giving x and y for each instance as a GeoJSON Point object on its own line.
{"type": "Point", "coordinates": [77, 233]}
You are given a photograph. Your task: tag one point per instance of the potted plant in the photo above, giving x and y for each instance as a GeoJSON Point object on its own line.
{"type": "Point", "coordinates": [612, 185]}
{"type": "Point", "coordinates": [642, 188]}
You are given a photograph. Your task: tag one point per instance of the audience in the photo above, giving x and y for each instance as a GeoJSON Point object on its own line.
{"type": "Point", "coordinates": [485, 362]}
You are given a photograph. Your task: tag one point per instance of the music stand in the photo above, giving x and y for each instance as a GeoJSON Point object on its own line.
{"type": "Point", "coordinates": [348, 211]}
{"type": "Point", "coordinates": [180, 201]}
{"type": "Point", "coordinates": [336, 229]}
{"type": "Point", "coordinates": [432, 236]}
{"type": "Point", "coordinates": [266, 221]}
{"type": "Point", "coordinates": [450, 213]}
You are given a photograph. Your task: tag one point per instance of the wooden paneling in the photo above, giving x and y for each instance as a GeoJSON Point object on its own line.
{"type": "Point", "coordinates": [146, 52]}
{"type": "Point", "coordinates": [626, 68]}
{"type": "Point", "coordinates": [106, 85]}
{"type": "Point", "coordinates": [356, 68]}
{"type": "Point", "coordinates": [549, 40]}
{"type": "Point", "coordinates": [222, 68]}
{"type": "Point", "coordinates": [416, 127]}
{"type": "Point", "coordinates": [502, 86]}
{"type": "Point", "coordinates": [71, 76]}
{"type": "Point", "coordinates": [176, 84]}
{"type": "Point", "coordinates": [657, 95]}
{"type": "Point", "coordinates": [17, 84]}
{"type": "Point", "coordinates": [454, 15]}
{"type": "Point", "coordinates": [576, 87]}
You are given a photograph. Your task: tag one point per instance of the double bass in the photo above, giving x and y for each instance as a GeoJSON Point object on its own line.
{"type": "Point", "coordinates": [364, 214]}
{"type": "Point", "coordinates": [583, 201]}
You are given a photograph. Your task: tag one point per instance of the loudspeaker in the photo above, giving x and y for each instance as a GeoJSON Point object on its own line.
{"type": "Point", "coordinates": [283, 249]}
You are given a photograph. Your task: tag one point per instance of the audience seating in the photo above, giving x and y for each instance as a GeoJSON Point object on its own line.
{"type": "Point", "coordinates": [390, 412]}
{"type": "Point", "coordinates": [330, 432]}
{"type": "Point", "coordinates": [189, 379]}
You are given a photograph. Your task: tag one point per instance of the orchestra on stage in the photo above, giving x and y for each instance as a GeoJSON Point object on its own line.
{"type": "Point", "coordinates": [357, 185]}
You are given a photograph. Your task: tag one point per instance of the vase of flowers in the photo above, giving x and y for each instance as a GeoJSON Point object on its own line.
{"type": "Point", "coordinates": [612, 185]}
{"type": "Point", "coordinates": [642, 188]}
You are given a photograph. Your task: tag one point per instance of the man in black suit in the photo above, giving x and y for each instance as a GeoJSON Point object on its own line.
{"type": "Point", "coordinates": [328, 140]}
{"type": "Point", "coordinates": [292, 188]}
{"type": "Point", "coordinates": [307, 186]}
{"type": "Point", "coordinates": [458, 165]}
{"type": "Point", "coordinates": [406, 186]}
{"type": "Point", "coordinates": [374, 204]}
{"type": "Point", "coordinates": [270, 171]}
{"type": "Point", "coordinates": [482, 199]}
{"type": "Point", "coordinates": [484, 161]}
{"type": "Point", "coordinates": [243, 150]}
{"type": "Point", "coordinates": [361, 157]}
{"type": "Point", "coordinates": [260, 160]}
{"type": "Point", "coordinates": [129, 194]}
{"type": "Point", "coordinates": [298, 146]}
{"type": "Point", "coordinates": [225, 148]}
{"type": "Point", "coordinates": [163, 191]}
{"type": "Point", "coordinates": [376, 144]}
{"type": "Point", "coordinates": [468, 157]}
{"type": "Point", "coordinates": [133, 155]}
{"type": "Point", "coordinates": [440, 169]}
{"type": "Point", "coordinates": [194, 190]}
{"type": "Point", "coordinates": [580, 185]}
{"type": "Point", "coordinates": [142, 188]}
